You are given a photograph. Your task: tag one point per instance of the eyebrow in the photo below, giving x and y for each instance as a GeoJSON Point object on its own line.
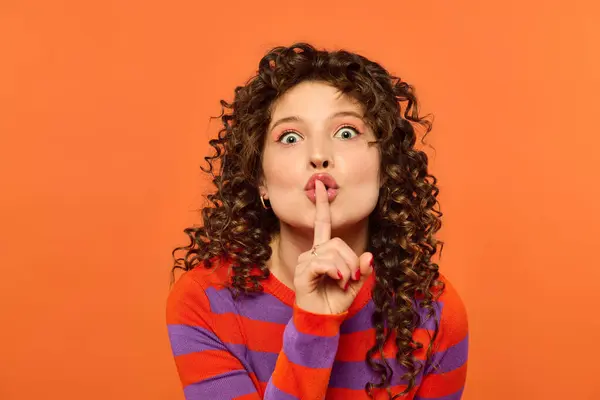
{"type": "Point", "coordinates": [332, 116]}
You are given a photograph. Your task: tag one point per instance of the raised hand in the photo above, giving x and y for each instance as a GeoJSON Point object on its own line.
{"type": "Point", "coordinates": [329, 276]}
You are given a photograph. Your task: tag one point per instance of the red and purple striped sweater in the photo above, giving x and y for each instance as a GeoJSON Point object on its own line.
{"type": "Point", "coordinates": [264, 347]}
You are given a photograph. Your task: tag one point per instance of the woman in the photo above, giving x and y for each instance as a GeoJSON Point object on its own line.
{"type": "Point", "coordinates": [312, 276]}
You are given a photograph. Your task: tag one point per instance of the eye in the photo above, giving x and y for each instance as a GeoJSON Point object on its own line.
{"type": "Point", "coordinates": [347, 132]}
{"type": "Point", "coordinates": [289, 137]}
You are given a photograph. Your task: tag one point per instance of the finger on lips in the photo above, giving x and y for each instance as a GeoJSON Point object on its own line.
{"type": "Point", "coordinates": [322, 229]}
{"type": "Point", "coordinates": [348, 264]}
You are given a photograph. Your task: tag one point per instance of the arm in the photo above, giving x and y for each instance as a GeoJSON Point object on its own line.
{"type": "Point", "coordinates": [310, 343]}
{"type": "Point", "coordinates": [206, 368]}
{"type": "Point", "coordinates": [209, 371]}
{"type": "Point", "coordinates": [445, 376]}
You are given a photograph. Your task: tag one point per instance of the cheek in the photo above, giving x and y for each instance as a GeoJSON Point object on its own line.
{"type": "Point", "coordinates": [278, 170]}
{"type": "Point", "coordinates": [364, 167]}
{"type": "Point", "coordinates": [369, 171]}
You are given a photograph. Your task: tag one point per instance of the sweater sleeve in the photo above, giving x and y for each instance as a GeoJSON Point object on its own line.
{"type": "Point", "coordinates": [208, 370]}
{"type": "Point", "coordinates": [310, 343]}
{"type": "Point", "coordinates": [445, 376]}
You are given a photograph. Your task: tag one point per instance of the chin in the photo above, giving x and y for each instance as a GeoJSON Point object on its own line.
{"type": "Point", "coordinates": [342, 225]}
{"type": "Point", "coordinates": [301, 215]}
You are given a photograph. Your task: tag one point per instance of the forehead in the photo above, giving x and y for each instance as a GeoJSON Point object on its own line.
{"type": "Point", "coordinates": [313, 100]}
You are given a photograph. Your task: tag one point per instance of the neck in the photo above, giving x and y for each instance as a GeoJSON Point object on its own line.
{"type": "Point", "coordinates": [290, 243]}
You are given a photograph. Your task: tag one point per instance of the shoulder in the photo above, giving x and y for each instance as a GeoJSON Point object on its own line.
{"type": "Point", "coordinates": [446, 366]}
{"type": "Point", "coordinates": [217, 274]}
{"type": "Point", "coordinates": [451, 298]}
{"type": "Point", "coordinates": [454, 325]}
{"type": "Point", "coordinates": [189, 299]}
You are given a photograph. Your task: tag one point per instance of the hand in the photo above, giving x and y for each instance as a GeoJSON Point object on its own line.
{"type": "Point", "coordinates": [328, 282]}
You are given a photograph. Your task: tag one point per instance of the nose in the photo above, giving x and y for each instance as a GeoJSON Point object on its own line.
{"type": "Point", "coordinates": [320, 156]}
{"type": "Point", "coordinates": [320, 159]}
{"type": "Point", "coordinates": [318, 163]}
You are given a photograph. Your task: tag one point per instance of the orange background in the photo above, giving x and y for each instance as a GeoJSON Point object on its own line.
{"type": "Point", "coordinates": [104, 120]}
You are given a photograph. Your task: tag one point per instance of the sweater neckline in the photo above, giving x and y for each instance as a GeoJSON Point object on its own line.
{"type": "Point", "coordinates": [286, 295]}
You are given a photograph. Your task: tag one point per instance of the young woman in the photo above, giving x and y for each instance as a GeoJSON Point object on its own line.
{"type": "Point", "coordinates": [312, 276]}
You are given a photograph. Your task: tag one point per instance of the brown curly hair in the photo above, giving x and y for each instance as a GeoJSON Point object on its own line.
{"type": "Point", "coordinates": [401, 228]}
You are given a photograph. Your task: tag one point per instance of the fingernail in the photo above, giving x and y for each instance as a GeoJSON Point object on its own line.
{"type": "Point", "coordinates": [357, 275]}
{"type": "Point", "coordinates": [371, 262]}
{"type": "Point", "coordinates": [346, 287]}
{"type": "Point", "coordinates": [340, 275]}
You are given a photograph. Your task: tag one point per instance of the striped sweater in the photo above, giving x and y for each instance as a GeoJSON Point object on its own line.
{"type": "Point", "coordinates": [264, 347]}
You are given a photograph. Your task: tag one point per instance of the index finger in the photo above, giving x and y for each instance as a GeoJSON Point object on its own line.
{"type": "Point", "coordinates": [322, 214]}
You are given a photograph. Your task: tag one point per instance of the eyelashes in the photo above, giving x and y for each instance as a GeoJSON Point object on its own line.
{"type": "Point", "coordinates": [350, 127]}
{"type": "Point", "coordinates": [287, 134]}
{"type": "Point", "coordinates": [290, 136]}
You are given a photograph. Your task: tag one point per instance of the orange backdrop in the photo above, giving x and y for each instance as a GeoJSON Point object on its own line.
{"type": "Point", "coordinates": [104, 120]}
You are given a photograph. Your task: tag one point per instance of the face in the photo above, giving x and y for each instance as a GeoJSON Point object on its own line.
{"type": "Point", "coordinates": [315, 129]}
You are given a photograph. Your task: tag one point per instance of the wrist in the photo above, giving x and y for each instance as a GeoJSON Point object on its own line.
{"type": "Point", "coordinates": [317, 323]}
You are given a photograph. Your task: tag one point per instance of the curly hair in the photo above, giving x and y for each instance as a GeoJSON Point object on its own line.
{"type": "Point", "coordinates": [402, 227]}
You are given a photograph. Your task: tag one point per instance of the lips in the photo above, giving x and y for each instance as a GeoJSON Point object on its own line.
{"type": "Point", "coordinates": [328, 181]}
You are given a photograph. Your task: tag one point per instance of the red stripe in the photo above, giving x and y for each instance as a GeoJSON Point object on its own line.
{"type": "Point", "coordinates": [354, 346]}
{"type": "Point", "coordinates": [307, 383]}
{"type": "Point", "coordinates": [187, 302]}
{"type": "Point", "coordinates": [196, 367]}
{"type": "Point", "coordinates": [263, 387]}
{"type": "Point", "coordinates": [263, 336]}
{"type": "Point", "coordinates": [438, 385]}
{"type": "Point", "coordinates": [319, 325]}
{"type": "Point", "coordinates": [378, 394]}
{"type": "Point", "coordinates": [454, 323]}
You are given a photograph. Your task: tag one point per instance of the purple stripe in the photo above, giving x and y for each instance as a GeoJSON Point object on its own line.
{"type": "Point", "coordinates": [427, 321]}
{"type": "Point", "coordinates": [262, 364]}
{"type": "Point", "coordinates": [263, 307]}
{"type": "Point", "coordinates": [273, 392]}
{"type": "Point", "coordinates": [450, 359]}
{"type": "Point", "coordinates": [361, 321]}
{"type": "Point", "coordinates": [187, 339]}
{"type": "Point", "coordinates": [453, 396]}
{"type": "Point", "coordinates": [309, 350]}
{"type": "Point", "coordinates": [356, 374]}
{"type": "Point", "coordinates": [240, 352]}
{"type": "Point", "coordinates": [224, 386]}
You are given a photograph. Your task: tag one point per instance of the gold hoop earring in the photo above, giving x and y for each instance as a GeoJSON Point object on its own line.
{"type": "Point", "coordinates": [263, 203]}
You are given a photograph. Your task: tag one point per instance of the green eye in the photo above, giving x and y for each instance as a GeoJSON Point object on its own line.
{"type": "Point", "coordinates": [347, 132]}
{"type": "Point", "coordinates": [289, 138]}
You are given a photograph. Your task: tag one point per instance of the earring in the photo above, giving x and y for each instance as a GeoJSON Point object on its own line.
{"type": "Point", "coordinates": [263, 203]}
